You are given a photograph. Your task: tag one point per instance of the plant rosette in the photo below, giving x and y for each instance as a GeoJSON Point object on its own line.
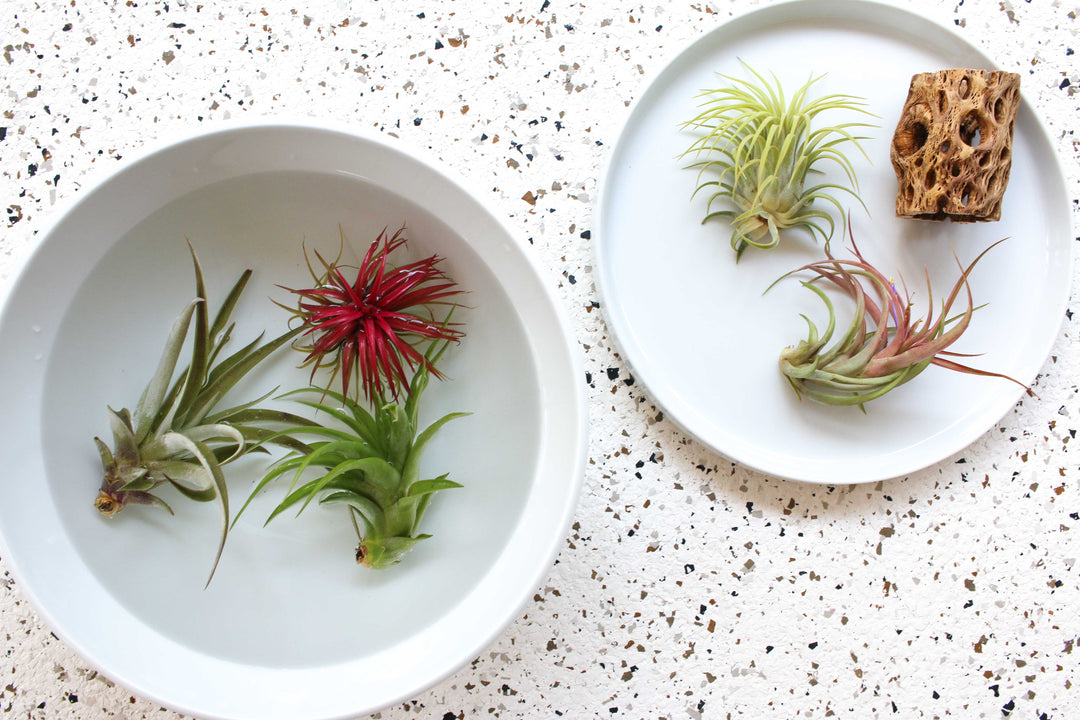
{"type": "Point", "coordinates": [884, 346]}
{"type": "Point", "coordinates": [765, 148]}
{"type": "Point", "coordinates": [177, 436]}
{"type": "Point", "coordinates": [371, 464]}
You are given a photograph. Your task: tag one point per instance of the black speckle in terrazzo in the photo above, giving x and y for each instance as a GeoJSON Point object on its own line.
{"type": "Point", "coordinates": [613, 373]}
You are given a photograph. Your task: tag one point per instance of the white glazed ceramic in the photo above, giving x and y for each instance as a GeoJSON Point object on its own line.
{"type": "Point", "coordinates": [697, 329]}
{"type": "Point", "coordinates": [290, 627]}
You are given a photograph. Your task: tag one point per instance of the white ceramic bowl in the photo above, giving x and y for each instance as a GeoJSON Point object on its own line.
{"type": "Point", "coordinates": [290, 627]}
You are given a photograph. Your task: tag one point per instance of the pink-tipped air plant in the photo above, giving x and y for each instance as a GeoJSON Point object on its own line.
{"type": "Point", "coordinates": [867, 363]}
{"type": "Point", "coordinates": [368, 329]}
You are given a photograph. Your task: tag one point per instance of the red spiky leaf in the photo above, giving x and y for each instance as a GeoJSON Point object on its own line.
{"type": "Point", "coordinates": [368, 328]}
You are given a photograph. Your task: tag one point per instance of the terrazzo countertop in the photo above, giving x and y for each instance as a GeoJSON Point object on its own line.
{"type": "Point", "coordinates": [688, 587]}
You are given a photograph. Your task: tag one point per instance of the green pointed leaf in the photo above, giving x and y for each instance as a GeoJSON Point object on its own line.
{"type": "Point", "coordinates": [145, 498]}
{"type": "Point", "coordinates": [225, 311]}
{"type": "Point", "coordinates": [152, 396]}
{"type": "Point", "coordinates": [347, 419]}
{"type": "Point", "coordinates": [399, 434]}
{"type": "Point", "coordinates": [202, 496]}
{"type": "Point", "coordinates": [362, 421]}
{"type": "Point", "coordinates": [378, 474]}
{"type": "Point", "coordinates": [200, 350]}
{"type": "Point", "coordinates": [163, 420]}
{"type": "Point", "coordinates": [284, 466]}
{"type": "Point", "coordinates": [186, 474]}
{"type": "Point", "coordinates": [411, 470]}
{"type": "Point", "coordinates": [333, 450]}
{"type": "Point", "coordinates": [217, 388]}
{"type": "Point", "coordinates": [126, 449]}
{"type": "Point", "coordinates": [257, 437]}
{"type": "Point", "coordinates": [423, 487]}
{"type": "Point", "coordinates": [246, 414]}
{"type": "Point", "coordinates": [371, 513]}
{"type": "Point", "coordinates": [203, 433]}
{"type": "Point", "coordinates": [133, 478]}
{"type": "Point", "coordinates": [106, 454]}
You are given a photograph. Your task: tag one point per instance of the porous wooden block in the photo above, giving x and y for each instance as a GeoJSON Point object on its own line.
{"type": "Point", "coordinates": [952, 149]}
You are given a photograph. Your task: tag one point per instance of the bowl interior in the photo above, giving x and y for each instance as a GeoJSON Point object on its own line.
{"type": "Point", "coordinates": [298, 573]}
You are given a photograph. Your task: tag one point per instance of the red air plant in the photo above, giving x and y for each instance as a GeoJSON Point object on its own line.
{"type": "Point", "coordinates": [369, 328]}
{"type": "Point", "coordinates": [865, 364]}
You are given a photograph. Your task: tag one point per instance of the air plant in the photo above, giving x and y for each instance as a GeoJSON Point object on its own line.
{"type": "Point", "coordinates": [372, 467]}
{"type": "Point", "coordinates": [764, 148]}
{"type": "Point", "coordinates": [368, 328]}
{"type": "Point", "coordinates": [865, 364]}
{"type": "Point", "coordinates": [177, 436]}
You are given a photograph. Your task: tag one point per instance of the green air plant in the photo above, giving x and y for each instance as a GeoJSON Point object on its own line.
{"type": "Point", "coordinates": [372, 467]}
{"type": "Point", "coordinates": [866, 363]}
{"type": "Point", "coordinates": [764, 148]}
{"type": "Point", "coordinates": [177, 436]}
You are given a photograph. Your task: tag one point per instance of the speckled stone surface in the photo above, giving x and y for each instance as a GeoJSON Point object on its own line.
{"type": "Point", "coordinates": [687, 587]}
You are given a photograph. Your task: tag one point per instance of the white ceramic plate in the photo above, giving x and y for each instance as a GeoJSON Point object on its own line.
{"type": "Point", "coordinates": [290, 627]}
{"type": "Point", "coordinates": [696, 328]}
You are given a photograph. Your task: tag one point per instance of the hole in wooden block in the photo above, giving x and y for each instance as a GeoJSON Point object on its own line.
{"type": "Point", "coordinates": [964, 88]}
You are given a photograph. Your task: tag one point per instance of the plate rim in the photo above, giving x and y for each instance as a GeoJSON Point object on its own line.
{"type": "Point", "coordinates": [763, 17]}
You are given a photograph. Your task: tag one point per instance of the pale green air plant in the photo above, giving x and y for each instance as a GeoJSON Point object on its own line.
{"type": "Point", "coordinates": [177, 436]}
{"type": "Point", "coordinates": [764, 148]}
{"type": "Point", "coordinates": [372, 467]}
